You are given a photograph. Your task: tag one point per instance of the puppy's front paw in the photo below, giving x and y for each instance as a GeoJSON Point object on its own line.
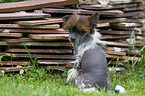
{"type": "Point", "coordinates": [72, 74]}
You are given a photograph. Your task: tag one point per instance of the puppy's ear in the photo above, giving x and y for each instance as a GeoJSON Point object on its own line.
{"type": "Point", "coordinates": [65, 18]}
{"type": "Point", "coordinates": [70, 20]}
{"type": "Point", "coordinates": [75, 14]}
{"type": "Point", "coordinates": [94, 18]}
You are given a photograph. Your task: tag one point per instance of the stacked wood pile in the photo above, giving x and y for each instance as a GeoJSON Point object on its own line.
{"type": "Point", "coordinates": [30, 35]}
{"type": "Point", "coordinates": [36, 35]}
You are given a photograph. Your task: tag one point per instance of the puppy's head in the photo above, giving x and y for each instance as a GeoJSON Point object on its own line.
{"type": "Point", "coordinates": [78, 26]}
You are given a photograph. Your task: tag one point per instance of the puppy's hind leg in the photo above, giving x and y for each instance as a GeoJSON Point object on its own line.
{"type": "Point", "coordinates": [85, 84]}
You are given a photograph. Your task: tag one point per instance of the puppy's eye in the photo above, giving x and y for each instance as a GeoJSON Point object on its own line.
{"type": "Point", "coordinates": [70, 29]}
{"type": "Point", "coordinates": [82, 32]}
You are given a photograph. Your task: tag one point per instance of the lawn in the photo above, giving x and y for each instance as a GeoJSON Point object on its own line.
{"type": "Point", "coordinates": [39, 82]}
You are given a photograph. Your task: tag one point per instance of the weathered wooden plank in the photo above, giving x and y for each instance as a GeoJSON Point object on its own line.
{"type": "Point", "coordinates": [111, 20]}
{"type": "Point", "coordinates": [69, 57]}
{"type": "Point", "coordinates": [137, 1]}
{"type": "Point", "coordinates": [11, 68]}
{"type": "Point", "coordinates": [49, 36]}
{"type": "Point", "coordinates": [58, 68]}
{"type": "Point", "coordinates": [11, 34]}
{"type": "Point", "coordinates": [55, 44]}
{"type": "Point", "coordinates": [118, 49]}
{"type": "Point", "coordinates": [114, 37]}
{"type": "Point", "coordinates": [115, 53]}
{"type": "Point", "coordinates": [134, 52]}
{"type": "Point", "coordinates": [58, 51]}
{"type": "Point", "coordinates": [32, 31]}
{"type": "Point", "coordinates": [136, 20]}
{"type": "Point", "coordinates": [68, 66]}
{"type": "Point", "coordinates": [119, 62]}
{"type": "Point", "coordinates": [15, 69]}
{"type": "Point", "coordinates": [116, 32]}
{"type": "Point", "coordinates": [34, 4]}
{"type": "Point", "coordinates": [123, 1]}
{"type": "Point", "coordinates": [54, 62]}
{"type": "Point", "coordinates": [3, 43]}
{"type": "Point", "coordinates": [102, 7]}
{"type": "Point", "coordinates": [129, 15]}
{"type": "Point", "coordinates": [80, 11]}
{"type": "Point", "coordinates": [18, 40]}
{"type": "Point", "coordinates": [139, 37]}
{"type": "Point", "coordinates": [125, 24]}
{"type": "Point", "coordinates": [117, 44]}
{"type": "Point", "coordinates": [53, 26]}
{"type": "Point", "coordinates": [7, 54]}
{"type": "Point", "coordinates": [15, 63]}
{"type": "Point", "coordinates": [140, 44]}
{"type": "Point", "coordinates": [26, 39]}
{"type": "Point", "coordinates": [134, 8]}
{"type": "Point", "coordinates": [123, 28]}
{"type": "Point", "coordinates": [10, 16]}
{"type": "Point", "coordinates": [39, 56]}
{"type": "Point", "coordinates": [116, 57]}
{"type": "Point", "coordinates": [103, 25]}
{"type": "Point", "coordinates": [22, 18]}
{"type": "Point", "coordinates": [123, 44]}
{"type": "Point", "coordinates": [142, 29]}
{"type": "Point", "coordinates": [39, 22]}
{"type": "Point", "coordinates": [123, 57]}
{"type": "Point", "coordinates": [43, 44]}
{"type": "Point", "coordinates": [116, 63]}
{"type": "Point", "coordinates": [132, 15]}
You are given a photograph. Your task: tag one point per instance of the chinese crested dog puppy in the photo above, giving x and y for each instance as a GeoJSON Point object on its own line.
{"type": "Point", "coordinates": [88, 51]}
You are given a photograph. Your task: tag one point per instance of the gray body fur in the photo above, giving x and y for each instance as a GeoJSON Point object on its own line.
{"type": "Point", "coordinates": [94, 70]}
{"type": "Point", "coordinates": [93, 65]}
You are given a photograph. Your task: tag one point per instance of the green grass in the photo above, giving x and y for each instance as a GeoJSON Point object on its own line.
{"type": "Point", "coordinates": [39, 82]}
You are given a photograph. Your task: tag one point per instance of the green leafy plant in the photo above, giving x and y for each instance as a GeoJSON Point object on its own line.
{"type": "Point", "coordinates": [135, 62]}
{"type": "Point", "coordinates": [1, 56]}
{"type": "Point", "coordinates": [33, 61]}
{"type": "Point", "coordinates": [2, 1]}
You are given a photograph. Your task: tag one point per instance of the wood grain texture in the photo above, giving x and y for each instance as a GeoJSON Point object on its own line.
{"type": "Point", "coordinates": [34, 4]}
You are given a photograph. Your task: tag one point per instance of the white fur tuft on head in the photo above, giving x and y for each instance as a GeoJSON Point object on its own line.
{"type": "Point", "coordinates": [72, 74]}
{"type": "Point", "coordinates": [97, 34]}
{"type": "Point", "coordinates": [96, 37]}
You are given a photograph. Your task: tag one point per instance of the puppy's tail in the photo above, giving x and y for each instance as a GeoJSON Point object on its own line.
{"type": "Point", "coordinates": [119, 89]}
{"type": "Point", "coordinates": [72, 74]}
